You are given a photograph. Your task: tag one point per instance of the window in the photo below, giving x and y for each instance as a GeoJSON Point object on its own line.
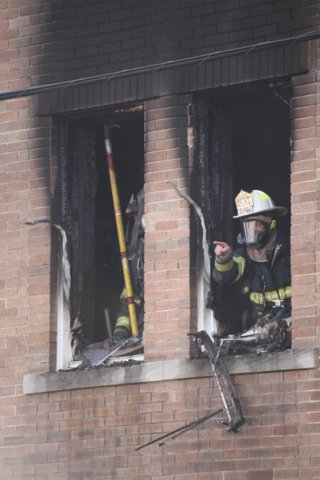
{"type": "Point", "coordinates": [83, 207]}
{"type": "Point", "coordinates": [242, 143]}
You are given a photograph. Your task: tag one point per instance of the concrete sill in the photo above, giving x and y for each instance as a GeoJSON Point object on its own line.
{"type": "Point", "coordinates": [167, 370]}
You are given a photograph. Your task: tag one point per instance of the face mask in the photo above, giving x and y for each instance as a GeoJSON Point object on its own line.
{"type": "Point", "coordinates": [256, 232]}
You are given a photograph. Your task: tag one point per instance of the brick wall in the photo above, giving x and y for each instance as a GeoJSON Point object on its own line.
{"type": "Point", "coordinates": [305, 207]}
{"type": "Point", "coordinates": [91, 433]}
{"type": "Point", "coordinates": [51, 42]}
{"type": "Point", "coordinates": [167, 253]}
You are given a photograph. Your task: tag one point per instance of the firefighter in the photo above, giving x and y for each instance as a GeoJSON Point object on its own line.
{"type": "Point", "coordinates": [135, 241]}
{"type": "Point", "coordinates": [261, 265]}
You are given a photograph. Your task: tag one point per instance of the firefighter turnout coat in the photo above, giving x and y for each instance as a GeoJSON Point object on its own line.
{"type": "Point", "coordinates": [266, 284]}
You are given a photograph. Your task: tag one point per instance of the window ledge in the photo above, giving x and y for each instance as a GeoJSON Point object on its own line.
{"type": "Point", "coordinates": [296, 359]}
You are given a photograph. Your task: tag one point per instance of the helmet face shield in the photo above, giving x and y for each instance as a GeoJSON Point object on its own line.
{"type": "Point", "coordinates": [256, 232]}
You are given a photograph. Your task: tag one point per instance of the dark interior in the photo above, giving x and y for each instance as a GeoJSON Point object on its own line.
{"type": "Point", "coordinates": [261, 145]}
{"type": "Point", "coordinates": [243, 143]}
{"type": "Point", "coordinates": [86, 211]}
{"type": "Point", "coordinates": [128, 155]}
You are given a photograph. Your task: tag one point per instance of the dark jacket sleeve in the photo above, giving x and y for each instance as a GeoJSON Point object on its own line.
{"type": "Point", "coordinates": [229, 269]}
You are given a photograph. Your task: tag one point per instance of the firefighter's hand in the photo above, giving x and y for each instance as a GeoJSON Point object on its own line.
{"type": "Point", "coordinates": [221, 249]}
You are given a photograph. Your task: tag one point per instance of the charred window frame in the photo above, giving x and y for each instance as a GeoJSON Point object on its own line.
{"type": "Point", "coordinates": [83, 208]}
{"type": "Point", "coordinates": [242, 142]}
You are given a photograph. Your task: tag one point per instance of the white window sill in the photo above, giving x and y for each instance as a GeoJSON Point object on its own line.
{"type": "Point", "coordinates": [167, 370]}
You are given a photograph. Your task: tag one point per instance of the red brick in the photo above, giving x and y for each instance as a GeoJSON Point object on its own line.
{"type": "Point", "coordinates": [307, 155]}
{"type": "Point", "coordinates": [260, 475]}
{"type": "Point", "coordinates": [304, 111]}
{"type": "Point", "coordinates": [101, 426]}
{"type": "Point", "coordinates": [303, 100]}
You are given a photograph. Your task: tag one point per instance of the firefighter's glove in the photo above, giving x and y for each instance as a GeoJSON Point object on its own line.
{"type": "Point", "coordinates": [270, 323]}
{"type": "Point", "coordinates": [120, 334]}
{"type": "Point", "coordinates": [262, 320]}
{"type": "Point", "coordinates": [271, 326]}
{"type": "Point", "coordinates": [223, 252]}
{"type": "Point", "coordinates": [274, 325]}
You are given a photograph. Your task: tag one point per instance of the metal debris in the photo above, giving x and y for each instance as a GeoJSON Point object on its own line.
{"type": "Point", "coordinates": [231, 405]}
{"type": "Point", "coordinates": [97, 356]}
{"type": "Point", "coordinates": [100, 353]}
{"type": "Point", "coordinates": [273, 336]}
{"type": "Point", "coordinates": [179, 431]}
{"type": "Point", "coordinates": [230, 400]}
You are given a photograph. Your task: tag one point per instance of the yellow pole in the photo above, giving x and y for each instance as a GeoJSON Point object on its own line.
{"type": "Point", "coordinates": [120, 231]}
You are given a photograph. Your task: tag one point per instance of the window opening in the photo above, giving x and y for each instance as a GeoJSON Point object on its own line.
{"type": "Point", "coordinates": [243, 143]}
{"type": "Point", "coordinates": [84, 209]}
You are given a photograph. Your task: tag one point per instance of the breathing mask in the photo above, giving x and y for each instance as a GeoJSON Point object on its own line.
{"type": "Point", "coordinates": [257, 231]}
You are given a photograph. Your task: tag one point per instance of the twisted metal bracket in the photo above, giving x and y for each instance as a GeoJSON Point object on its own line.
{"type": "Point", "coordinates": [229, 396]}
{"type": "Point", "coordinates": [230, 399]}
